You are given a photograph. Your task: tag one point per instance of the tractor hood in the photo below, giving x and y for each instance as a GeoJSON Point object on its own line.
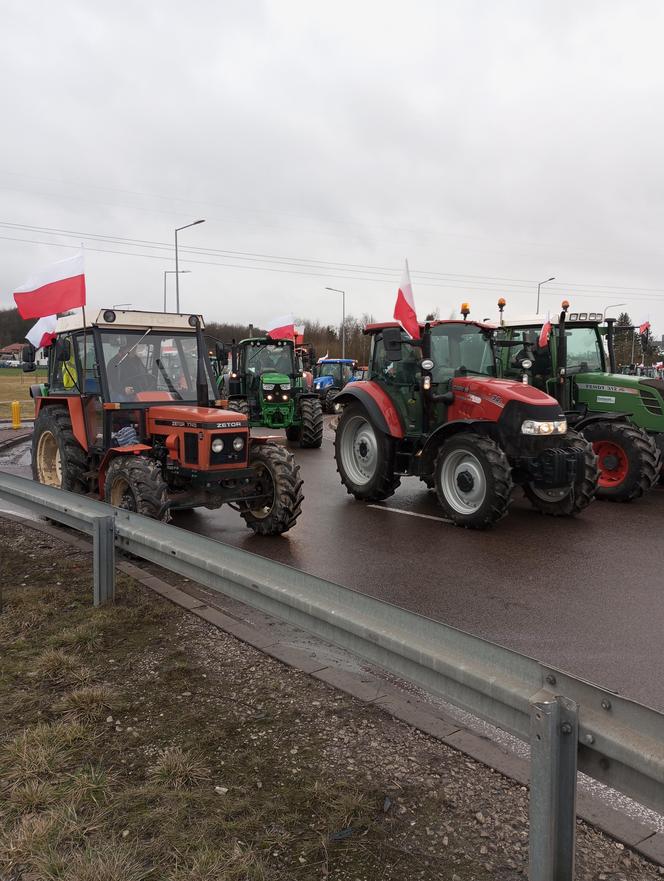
{"type": "Point", "coordinates": [196, 417]}
{"type": "Point", "coordinates": [619, 382]}
{"type": "Point", "coordinates": [321, 382]}
{"type": "Point", "coordinates": [275, 379]}
{"type": "Point", "coordinates": [500, 391]}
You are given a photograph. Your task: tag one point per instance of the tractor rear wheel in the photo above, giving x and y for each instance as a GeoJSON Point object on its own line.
{"type": "Point", "coordinates": [57, 457]}
{"type": "Point", "coordinates": [364, 456]}
{"type": "Point", "coordinates": [311, 432]}
{"type": "Point", "coordinates": [240, 405]}
{"type": "Point", "coordinates": [566, 501]}
{"type": "Point", "coordinates": [278, 479]}
{"type": "Point", "coordinates": [137, 483]}
{"type": "Point", "coordinates": [627, 458]}
{"type": "Point", "coordinates": [473, 480]}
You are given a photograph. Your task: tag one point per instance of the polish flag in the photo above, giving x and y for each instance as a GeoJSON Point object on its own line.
{"type": "Point", "coordinates": [57, 288]}
{"type": "Point", "coordinates": [43, 332]}
{"type": "Point", "coordinates": [404, 308]}
{"type": "Point", "coordinates": [644, 327]}
{"type": "Point", "coordinates": [545, 333]}
{"type": "Point", "coordinates": [282, 328]}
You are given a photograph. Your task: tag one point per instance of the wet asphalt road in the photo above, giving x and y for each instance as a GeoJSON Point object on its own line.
{"type": "Point", "coordinates": [584, 594]}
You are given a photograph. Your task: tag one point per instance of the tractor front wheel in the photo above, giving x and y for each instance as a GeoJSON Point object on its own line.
{"type": "Point", "coordinates": [240, 405]}
{"type": "Point", "coordinates": [311, 431]}
{"type": "Point", "coordinates": [627, 458]}
{"type": "Point", "coordinates": [136, 483]}
{"type": "Point", "coordinates": [364, 456]}
{"type": "Point", "coordinates": [280, 487]}
{"type": "Point", "coordinates": [57, 457]}
{"type": "Point", "coordinates": [329, 401]}
{"type": "Point", "coordinates": [473, 480]}
{"type": "Point", "coordinates": [568, 500]}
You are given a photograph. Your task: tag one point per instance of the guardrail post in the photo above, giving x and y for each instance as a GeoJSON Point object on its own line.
{"type": "Point", "coordinates": [553, 755]}
{"type": "Point", "coordinates": [104, 559]}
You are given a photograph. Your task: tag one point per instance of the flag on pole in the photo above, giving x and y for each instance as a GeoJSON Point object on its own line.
{"type": "Point", "coordinates": [282, 328]}
{"type": "Point", "coordinates": [404, 308]}
{"type": "Point", "coordinates": [56, 288]}
{"type": "Point", "coordinates": [43, 332]}
{"type": "Point", "coordinates": [644, 327]}
{"type": "Point", "coordinates": [545, 333]}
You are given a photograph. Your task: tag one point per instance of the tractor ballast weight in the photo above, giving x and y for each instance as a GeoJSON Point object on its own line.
{"type": "Point", "coordinates": [267, 384]}
{"type": "Point", "coordinates": [129, 415]}
{"type": "Point", "coordinates": [436, 408]}
{"type": "Point", "coordinates": [622, 416]}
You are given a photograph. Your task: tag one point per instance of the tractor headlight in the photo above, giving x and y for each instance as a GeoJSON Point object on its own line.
{"type": "Point", "coordinates": [285, 386]}
{"type": "Point", "coordinates": [557, 426]}
{"type": "Point", "coordinates": [238, 444]}
{"type": "Point", "coordinates": [269, 397]}
{"type": "Point", "coordinates": [284, 397]}
{"type": "Point", "coordinates": [217, 445]}
{"type": "Point", "coordinates": [269, 386]}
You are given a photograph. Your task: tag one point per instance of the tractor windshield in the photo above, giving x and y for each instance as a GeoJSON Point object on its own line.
{"type": "Point", "coordinates": [460, 348]}
{"type": "Point", "coordinates": [340, 373]}
{"type": "Point", "coordinates": [152, 366]}
{"type": "Point", "coordinates": [269, 359]}
{"type": "Point", "coordinates": [584, 348]}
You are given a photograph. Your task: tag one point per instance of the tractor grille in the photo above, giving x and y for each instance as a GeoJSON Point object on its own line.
{"type": "Point", "coordinates": [191, 447]}
{"type": "Point", "coordinates": [651, 402]}
{"type": "Point", "coordinates": [228, 455]}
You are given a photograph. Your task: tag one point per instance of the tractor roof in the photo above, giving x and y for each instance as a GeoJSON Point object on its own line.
{"type": "Point", "coordinates": [377, 327]}
{"type": "Point", "coordinates": [133, 320]}
{"type": "Point", "coordinates": [265, 340]}
{"type": "Point", "coordinates": [337, 361]}
{"type": "Point", "coordinates": [586, 318]}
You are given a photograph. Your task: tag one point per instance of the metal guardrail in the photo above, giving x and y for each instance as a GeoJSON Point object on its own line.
{"type": "Point", "coordinates": [569, 723]}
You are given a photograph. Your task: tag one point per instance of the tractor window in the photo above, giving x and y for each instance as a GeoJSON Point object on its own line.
{"type": "Point", "coordinates": [64, 374]}
{"type": "Point", "coordinates": [584, 348]}
{"type": "Point", "coordinates": [269, 359]}
{"type": "Point", "coordinates": [149, 365]}
{"type": "Point", "coordinates": [88, 361]}
{"type": "Point", "coordinates": [456, 348]}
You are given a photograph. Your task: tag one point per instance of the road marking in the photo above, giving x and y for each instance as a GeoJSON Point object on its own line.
{"type": "Point", "coordinates": [409, 513]}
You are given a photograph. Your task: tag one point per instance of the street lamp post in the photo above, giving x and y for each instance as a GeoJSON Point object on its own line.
{"type": "Point", "coordinates": [177, 271]}
{"type": "Point", "coordinates": [546, 281]}
{"type": "Point", "coordinates": [172, 272]}
{"type": "Point", "coordinates": [343, 318]}
{"type": "Point", "coordinates": [613, 306]}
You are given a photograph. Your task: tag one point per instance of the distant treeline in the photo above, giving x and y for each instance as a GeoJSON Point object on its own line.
{"type": "Point", "coordinates": [13, 328]}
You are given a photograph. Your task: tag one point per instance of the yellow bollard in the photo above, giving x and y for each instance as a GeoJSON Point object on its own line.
{"type": "Point", "coordinates": [16, 414]}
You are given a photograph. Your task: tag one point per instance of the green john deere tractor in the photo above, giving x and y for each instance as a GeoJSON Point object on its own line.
{"type": "Point", "coordinates": [622, 416]}
{"type": "Point", "coordinates": [267, 383]}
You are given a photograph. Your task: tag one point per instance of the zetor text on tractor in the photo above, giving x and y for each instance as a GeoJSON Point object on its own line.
{"type": "Point", "coordinates": [437, 408]}
{"type": "Point", "coordinates": [622, 416]}
{"type": "Point", "coordinates": [128, 415]}
{"type": "Point", "coordinates": [267, 383]}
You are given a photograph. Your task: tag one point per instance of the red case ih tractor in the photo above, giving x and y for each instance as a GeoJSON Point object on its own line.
{"type": "Point", "coordinates": [436, 408]}
{"type": "Point", "coordinates": [129, 416]}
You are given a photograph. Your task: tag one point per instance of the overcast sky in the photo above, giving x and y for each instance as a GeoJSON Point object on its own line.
{"type": "Point", "coordinates": [493, 144]}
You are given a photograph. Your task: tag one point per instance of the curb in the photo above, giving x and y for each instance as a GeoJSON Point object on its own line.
{"type": "Point", "coordinates": [371, 688]}
{"type": "Point", "coordinates": [14, 441]}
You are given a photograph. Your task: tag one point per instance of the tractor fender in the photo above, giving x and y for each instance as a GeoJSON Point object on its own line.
{"type": "Point", "coordinates": [447, 430]}
{"type": "Point", "coordinates": [113, 453]}
{"type": "Point", "coordinates": [377, 403]}
{"type": "Point", "coordinates": [600, 417]}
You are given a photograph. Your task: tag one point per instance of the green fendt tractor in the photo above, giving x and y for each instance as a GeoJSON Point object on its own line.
{"type": "Point", "coordinates": [267, 383]}
{"type": "Point", "coordinates": [622, 416]}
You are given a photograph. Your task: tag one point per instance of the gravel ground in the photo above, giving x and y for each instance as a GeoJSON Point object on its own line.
{"type": "Point", "coordinates": [316, 783]}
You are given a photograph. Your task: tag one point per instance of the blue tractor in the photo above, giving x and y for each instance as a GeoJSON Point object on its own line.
{"type": "Point", "coordinates": [330, 376]}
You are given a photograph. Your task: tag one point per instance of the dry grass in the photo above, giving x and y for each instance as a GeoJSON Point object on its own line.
{"type": "Point", "coordinates": [57, 667]}
{"type": "Point", "coordinates": [39, 752]}
{"type": "Point", "coordinates": [111, 861]}
{"type": "Point", "coordinates": [88, 785]}
{"type": "Point", "coordinates": [88, 703]}
{"type": "Point", "coordinates": [33, 795]}
{"type": "Point", "coordinates": [177, 768]}
{"type": "Point", "coordinates": [240, 864]}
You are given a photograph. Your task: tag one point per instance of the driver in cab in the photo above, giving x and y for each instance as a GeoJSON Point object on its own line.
{"type": "Point", "coordinates": [127, 373]}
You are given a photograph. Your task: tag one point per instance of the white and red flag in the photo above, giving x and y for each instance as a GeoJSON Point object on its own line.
{"type": "Point", "coordinates": [644, 327]}
{"type": "Point", "coordinates": [43, 332]}
{"type": "Point", "coordinates": [56, 288]}
{"type": "Point", "coordinates": [282, 328]}
{"type": "Point", "coordinates": [545, 333]}
{"type": "Point", "coordinates": [404, 308]}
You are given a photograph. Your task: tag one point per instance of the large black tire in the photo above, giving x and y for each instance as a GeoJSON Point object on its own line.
{"type": "Point", "coordinates": [364, 456]}
{"type": "Point", "coordinates": [328, 405]}
{"type": "Point", "coordinates": [137, 483]}
{"type": "Point", "coordinates": [577, 497]}
{"type": "Point", "coordinates": [627, 458]}
{"type": "Point", "coordinates": [311, 413]}
{"type": "Point", "coordinates": [279, 475]}
{"type": "Point", "coordinates": [57, 457]}
{"type": "Point", "coordinates": [240, 405]}
{"type": "Point", "coordinates": [473, 480]}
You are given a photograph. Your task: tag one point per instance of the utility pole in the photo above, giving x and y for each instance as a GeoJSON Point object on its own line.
{"type": "Point", "coordinates": [343, 318]}
{"type": "Point", "coordinates": [177, 271]}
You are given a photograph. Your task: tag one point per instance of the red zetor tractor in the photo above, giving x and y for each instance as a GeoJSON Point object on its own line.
{"type": "Point", "coordinates": [128, 415]}
{"type": "Point", "coordinates": [436, 408]}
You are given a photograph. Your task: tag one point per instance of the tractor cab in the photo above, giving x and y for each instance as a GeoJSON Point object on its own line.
{"type": "Point", "coordinates": [130, 414]}
{"type": "Point", "coordinates": [571, 357]}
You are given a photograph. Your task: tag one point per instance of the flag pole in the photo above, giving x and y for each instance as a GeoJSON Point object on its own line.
{"type": "Point", "coordinates": [85, 347]}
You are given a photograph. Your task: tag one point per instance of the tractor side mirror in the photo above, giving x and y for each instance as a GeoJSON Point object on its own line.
{"type": "Point", "coordinates": [28, 359]}
{"type": "Point", "coordinates": [62, 350]}
{"type": "Point", "coordinates": [392, 343]}
{"type": "Point", "coordinates": [220, 350]}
